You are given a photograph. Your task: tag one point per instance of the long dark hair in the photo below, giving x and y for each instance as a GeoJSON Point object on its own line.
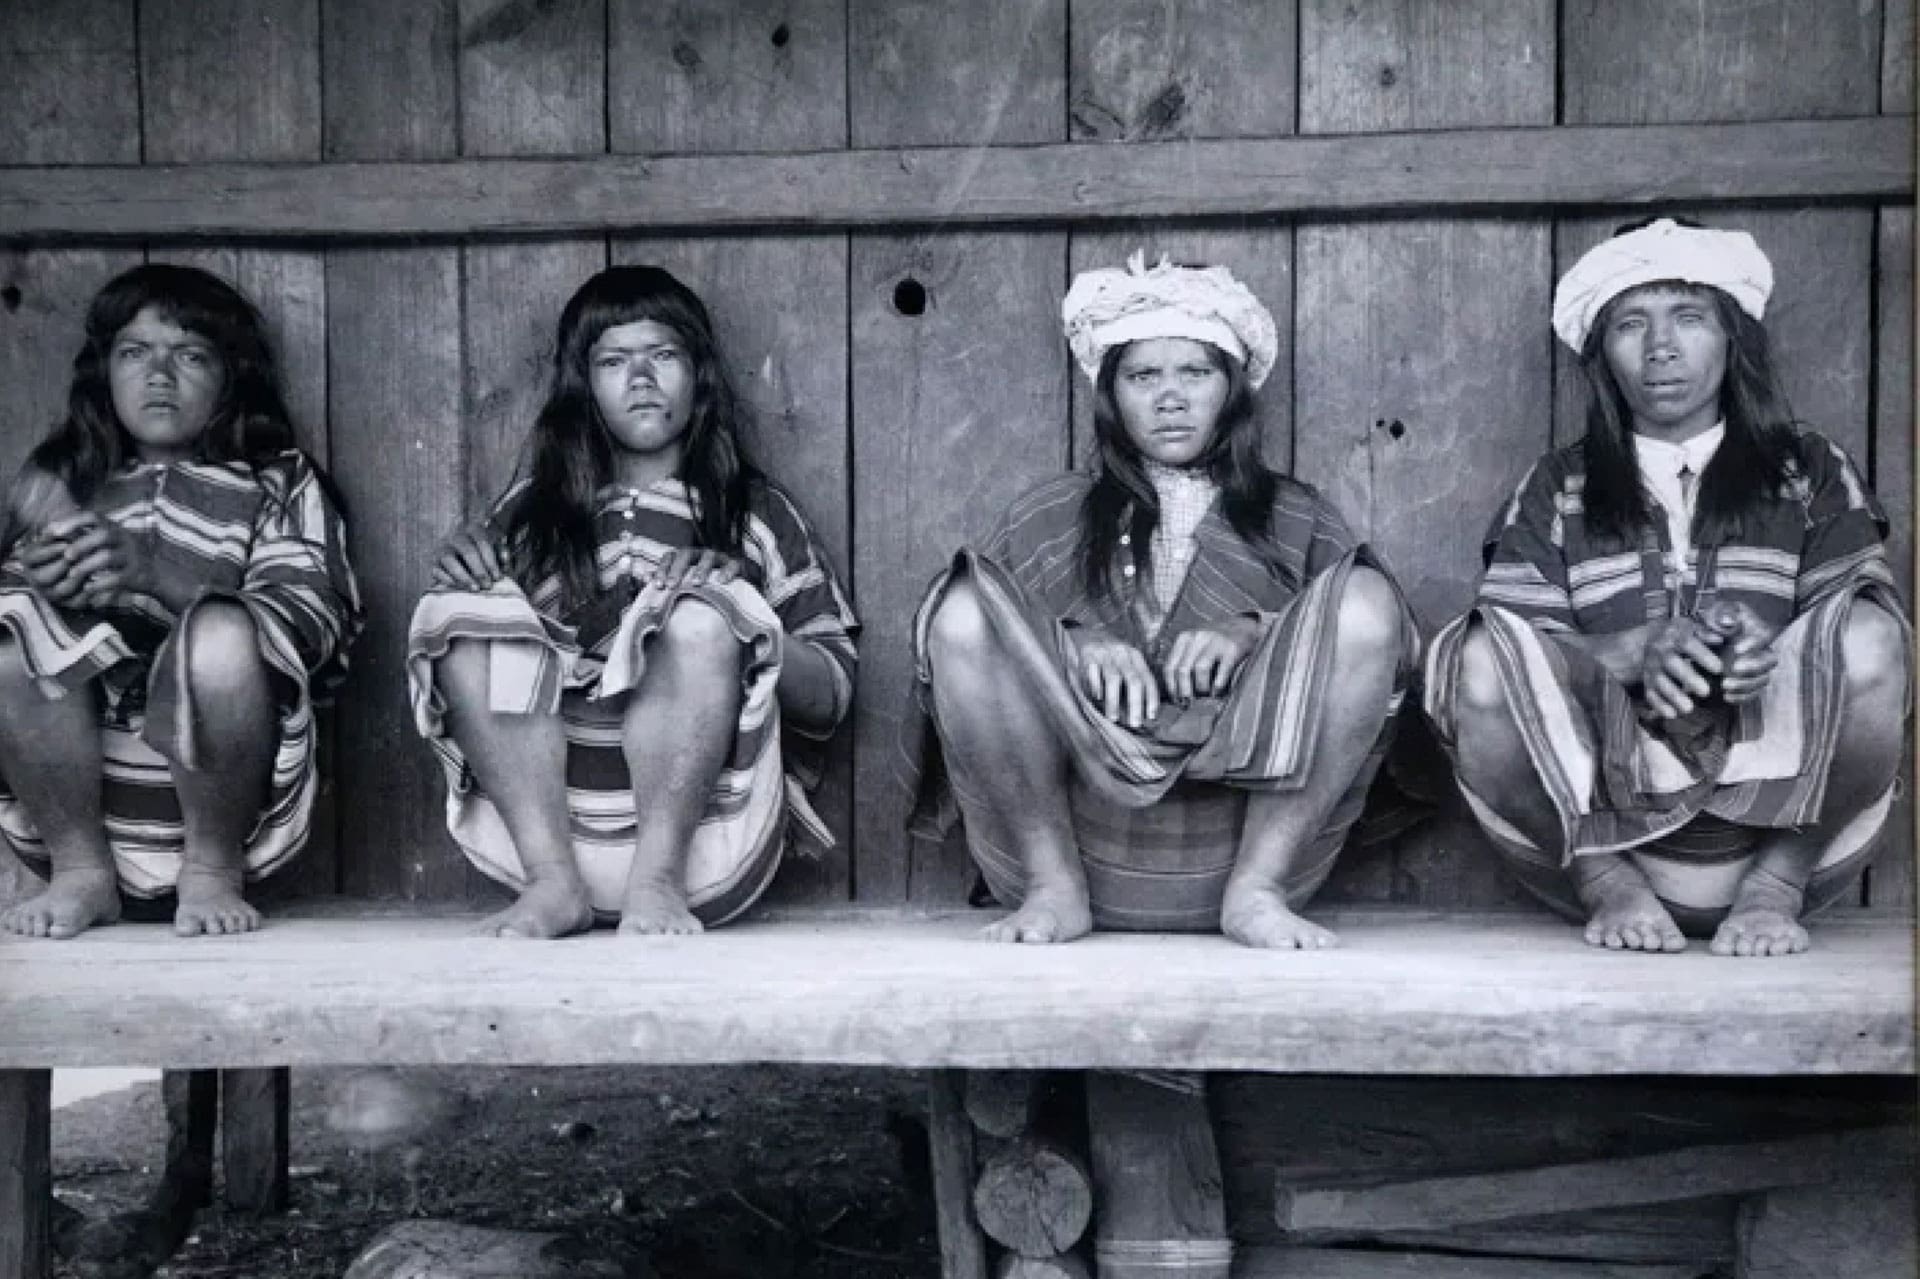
{"type": "Point", "coordinates": [1759, 453]}
{"type": "Point", "coordinates": [250, 423]}
{"type": "Point", "coordinates": [570, 454]}
{"type": "Point", "coordinates": [1120, 484]}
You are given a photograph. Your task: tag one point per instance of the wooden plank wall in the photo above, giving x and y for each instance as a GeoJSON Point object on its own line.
{"type": "Point", "coordinates": [907, 383]}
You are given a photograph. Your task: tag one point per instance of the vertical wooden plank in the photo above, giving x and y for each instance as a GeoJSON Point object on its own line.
{"type": "Point", "coordinates": [533, 77]}
{"type": "Point", "coordinates": [963, 1249]}
{"type": "Point", "coordinates": [394, 378]}
{"type": "Point", "coordinates": [67, 68]}
{"type": "Point", "coordinates": [960, 396]}
{"type": "Point", "coordinates": [926, 72]}
{"type": "Point", "coordinates": [26, 1173]}
{"type": "Point", "coordinates": [1891, 879]}
{"type": "Point", "coordinates": [1422, 376]}
{"type": "Point", "coordinates": [750, 76]}
{"type": "Point", "coordinates": [254, 1111]}
{"type": "Point", "coordinates": [1144, 69]}
{"type": "Point", "coordinates": [1896, 59]}
{"type": "Point", "coordinates": [1655, 61]}
{"type": "Point", "coordinates": [758, 75]}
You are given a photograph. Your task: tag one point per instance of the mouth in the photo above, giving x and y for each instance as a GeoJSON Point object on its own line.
{"type": "Point", "coordinates": [160, 406]}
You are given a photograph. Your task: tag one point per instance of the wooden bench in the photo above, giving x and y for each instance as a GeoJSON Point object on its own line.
{"type": "Point", "coordinates": [1409, 994]}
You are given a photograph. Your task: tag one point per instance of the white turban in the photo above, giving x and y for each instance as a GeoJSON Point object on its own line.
{"type": "Point", "coordinates": [1109, 307]}
{"type": "Point", "coordinates": [1662, 250]}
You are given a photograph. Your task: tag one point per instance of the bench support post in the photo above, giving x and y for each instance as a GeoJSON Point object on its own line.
{"type": "Point", "coordinates": [1159, 1208]}
{"type": "Point", "coordinates": [26, 1173]}
{"type": "Point", "coordinates": [253, 1137]}
{"type": "Point", "coordinates": [963, 1249]}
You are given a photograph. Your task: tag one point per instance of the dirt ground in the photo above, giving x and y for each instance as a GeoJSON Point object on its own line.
{"type": "Point", "coordinates": [787, 1173]}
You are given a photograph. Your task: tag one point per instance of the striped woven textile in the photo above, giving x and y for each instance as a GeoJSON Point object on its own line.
{"type": "Point", "coordinates": [544, 659]}
{"type": "Point", "coordinates": [1157, 812]}
{"type": "Point", "coordinates": [272, 542]}
{"type": "Point", "coordinates": [1690, 800]}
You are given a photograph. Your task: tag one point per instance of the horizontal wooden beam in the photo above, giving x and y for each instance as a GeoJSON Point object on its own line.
{"type": "Point", "coordinates": [1466, 169]}
{"type": "Point", "coordinates": [1406, 993]}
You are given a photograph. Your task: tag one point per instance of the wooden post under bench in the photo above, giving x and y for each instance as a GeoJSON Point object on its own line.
{"type": "Point", "coordinates": [26, 1173]}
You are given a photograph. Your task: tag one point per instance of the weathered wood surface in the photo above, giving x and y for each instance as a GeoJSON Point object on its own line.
{"type": "Point", "coordinates": [1156, 1175]}
{"type": "Point", "coordinates": [1067, 1265]}
{"type": "Point", "coordinates": [921, 72]}
{"type": "Point", "coordinates": [56, 59]}
{"type": "Point", "coordinates": [1034, 1197]}
{"type": "Point", "coordinates": [1409, 992]}
{"type": "Point", "coordinates": [26, 1173]}
{"type": "Point", "coordinates": [963, 1250]}
{"type": "Point", "coordinates": [394, 368]}
{"type": "Point", "coordinates": [1896, 58]}
{"type": "Point", "coordinates": [1002, 1103]}
{"type": "Point", "coordinates": [1341, 1263]}
{"type": "Point", "coordinates": [254, 1124]}
{"type": "Point", "coordinates": [1478, 169]}
{"type": "Point", "coordinates": [1693, 1172]}
{"type": "Point", "coordinates": [1891, 878]}
{"type": "Point", "coordinates": [1863, 1228]}
{"type": "Point", "coordinates": [532, 77]}
{"type": "Point", "coordinates": [1143, 70]}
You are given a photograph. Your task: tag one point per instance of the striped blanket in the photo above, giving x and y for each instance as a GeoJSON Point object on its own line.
{"type": "Point", "coordinates": [272, 542]}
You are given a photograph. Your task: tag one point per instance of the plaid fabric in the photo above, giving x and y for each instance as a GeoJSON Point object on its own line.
{"type": "Point", "coordinates": [271, 542]}
{"type": "Point", "coordinates": [1618, 782]}
{"type": "Point", "coordinates": [546, 659]}
{"type": "Point", "coordinates": [1185, 497]}
{"type": "Point", "coordinates": [1157, 811]}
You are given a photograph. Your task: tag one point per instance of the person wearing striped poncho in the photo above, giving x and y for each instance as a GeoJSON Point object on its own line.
{"type": "Point", "coordinates": [1156, 694]}
{"type": "Point", "coordinates": [1678, 703]}
{"type": "Point", "coordinates": [175, 593]}
{"type": "Point", "coordinates": [629, 672]}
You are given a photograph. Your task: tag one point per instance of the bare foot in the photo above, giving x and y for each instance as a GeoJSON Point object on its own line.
{"type": "Point", "coordinates": [1623, 913]}
{"type": "Point", "coordinates": [72, 902]}
{"type": "Point", "coordinates": [1765, 919]}
{"type": "Point", "coordinates": [1256, 915]}
{"type": "Point", "coordinates": [657, 908]}
{"type": "Point", "coordinates": [211, 904]}
{"type": "Point", "coordinates": [554, 906]}
{"type": "Point", "coordinates": [1051, 913]}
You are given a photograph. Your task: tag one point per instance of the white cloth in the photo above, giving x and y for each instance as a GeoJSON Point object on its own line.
{"type": "Point", "coordinates": [1109, 307]}
{"type": "Point", "coordinates": [1665, 250]}
{"type": "Point", "coordinates": [1185, 496]}
{"type": "Point", "coordinates": [1671, 474]}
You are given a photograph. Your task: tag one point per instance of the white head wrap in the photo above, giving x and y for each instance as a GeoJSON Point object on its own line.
{"type": "Point", "coordinates": [1663, 250]}
{"type": "Point", "coordinates": [1108, 307]}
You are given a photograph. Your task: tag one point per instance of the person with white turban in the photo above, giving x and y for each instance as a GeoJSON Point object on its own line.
{"type": "Point", "coordinates": [1157, 692]}
{"type": "Point", "coordinates": [1676, 707]}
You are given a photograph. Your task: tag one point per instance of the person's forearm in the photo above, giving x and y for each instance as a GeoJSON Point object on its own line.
{"type": "Point", "coordinates": [1621, 653]}
{"type": "Point", "coordinates": [808, 678]}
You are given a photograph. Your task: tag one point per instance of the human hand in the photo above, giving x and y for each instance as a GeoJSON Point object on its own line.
{"type": "Point", "coordinates": [1677, 666]}
{"type": "Point", "coordinates": [1204, 661]}
{"type": "Point", "coordinates": [693, 566]}
{"type": "Point", "coordinates": [1117, 676]}
{"type": "Point", "coordinates": [86, 561]}
{"type": "Point", "coordinates": [1748, 651]}
{"type": "Point", "coordinates": [470, 559]}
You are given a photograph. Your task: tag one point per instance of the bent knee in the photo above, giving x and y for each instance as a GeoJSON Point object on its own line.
{"type": "Point", "coordinates": [1877, 655]}
{"type": "Point", "coordinates": [958, 628]}
{"type": "Point", "coordinates": [1369, 617]}
{"type": "Point", "coordinates": [696, 628]}
{"type": "Point", "coordinates": [221, 640]}
{"type": "Point", "coordinates": [1477, 691]}
{"type": "Point", "coordinates": [13, 661]}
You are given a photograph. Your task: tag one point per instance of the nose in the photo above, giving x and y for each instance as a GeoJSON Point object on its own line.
{"type": "Point", "coordinates": [1660, 342]}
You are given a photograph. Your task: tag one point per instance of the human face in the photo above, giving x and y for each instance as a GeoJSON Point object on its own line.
{"type": "Point", "coordinates": [1169, 393]}
{"type": "Point", "coordinates": [166, 384]}
{"type": "Point", "coordinates": [1668, 352]}
{"type": "Point", "coordinates": [642, 381]}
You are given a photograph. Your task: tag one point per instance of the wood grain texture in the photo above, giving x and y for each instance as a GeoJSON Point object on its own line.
{"type": "Point", "coordinates": [963, 1250]}
{"type": "Point", "coordinates": [1463, 169]}
{"type": "Point", "coordinates": [532, 77]}
{"type": "Point", "coordinates": [26, 1174]}
{"type": "Point", "coordinates": [757, 75]}
{"type": "Point", "coordinates": [1863, 1228]}
{"type": "Point", "coordinates": [254, 1114]}
{"type": "Point", "coordinates": [1068, 1265]}
{"type": "Point", "coordinates": [1891, 879]}
{"type": "Point", "coordinates": [391, 72]}
{"type": "Point", "coordinates": [1156, 1173]}
{"type": "Point", "coordinates": [1002, 1103]}
{"type": "Point", "coordinates": [924, 72]}
{"type": "Point", "coordinates": [62, 66]}
{"type": "Point", "coordinates": [1692, 1172]}
{"type": "Point", "coordinates": [1896, 58]}
{"type": "Point", "coordinates": [1408, 993]}
{"type": "Point", "coordinates": [1650, 61]}
{"type": "Point", "coordinates": [956, 411]}
{"type": "Point", "coordinates": [1142, 70]}
{"type": "Point", "coordinates": [230, 80]}
{"type": "Point", "coordinates": [1034, 1197]}
{"type": "Point", "coordinates": [1342, 1263]}
{"type": "Point", "coordinates": [43, 306]}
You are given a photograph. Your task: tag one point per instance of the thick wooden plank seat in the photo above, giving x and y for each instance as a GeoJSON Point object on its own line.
{"type": "Point", "coordinates": [1408, 993]}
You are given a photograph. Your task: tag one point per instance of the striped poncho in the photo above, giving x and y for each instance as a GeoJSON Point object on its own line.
{"type": "Point", "coordinates": [547, 655]}
{"type": "Point", "coordinates": [271, 540]}
{"type": "Point", "coordinates": [1618, 780]}
{"type": "Point", "coordinates": [1157, 811]}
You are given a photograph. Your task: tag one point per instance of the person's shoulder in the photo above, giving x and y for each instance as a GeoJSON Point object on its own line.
{"type": "Point", "coordinates": [1066, 488]}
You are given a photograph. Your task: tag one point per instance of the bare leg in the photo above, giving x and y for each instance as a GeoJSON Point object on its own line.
{"type": "Point", "coordinates": [1623, 912]}
{"type": "Point", "coordinates": [1001, 741]}
{"type": "Point", "coordinates": [1765, 917]}
{"type": "Point", "coordinates": [221, 800]}
{"type": "Point", "coordinates": [50, 753]}
{"type": "Point", "coordinates": [521, 764]}
{"type": "Point", "coordinates": [1366, 651]}
{"type": "Point", "coordinates": [678, 730]}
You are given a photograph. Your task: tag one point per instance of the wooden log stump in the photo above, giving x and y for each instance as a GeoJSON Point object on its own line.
{"type": "Point", "coordinates": [1157, 1176]}
{"type": "Point", "coordinates": [1003, 1103]}
{"type": "Point", "coordinates": [1863, 1228]}
{"type": "Point", "coordinates": [963, 1253]}
{"type": "Point", "coordinates": [1369, 1263]}
{"type": "Point", "coordinates": [1034, 1197]}
{"type": "Point", "coordinates": [254, 1107]}
{"type": "Point", "coordinates": [1068, 1265]}
{"type": "Point", "coordinates": [26, 1173]}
